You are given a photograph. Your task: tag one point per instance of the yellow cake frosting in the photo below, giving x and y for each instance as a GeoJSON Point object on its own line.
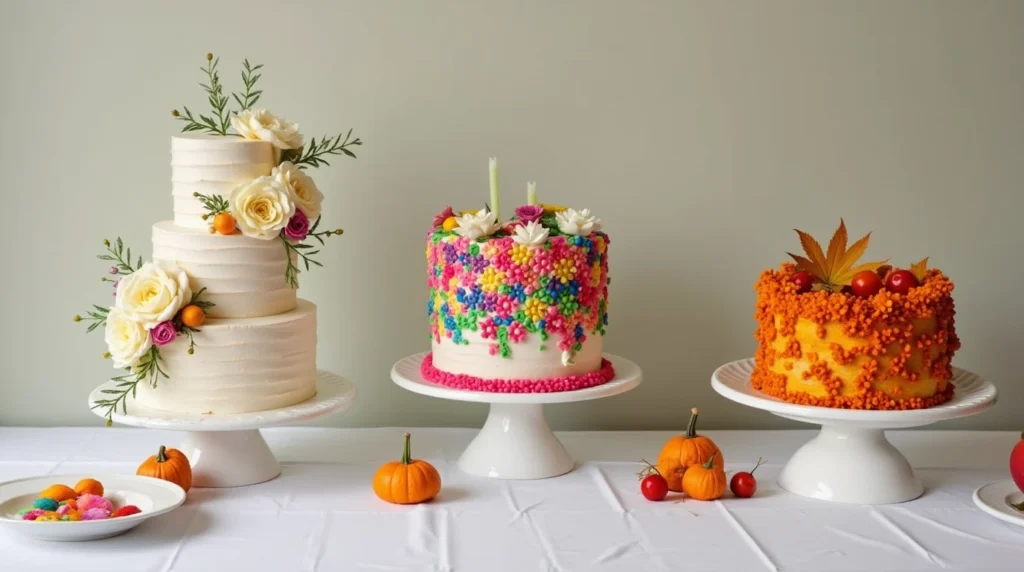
{"type": "Point", "coordinates": [833, 349]}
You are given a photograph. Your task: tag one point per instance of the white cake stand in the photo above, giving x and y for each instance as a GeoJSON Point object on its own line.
{"type": "Point", "coordinates": [516, 441]}
{"type": "Point", "coordinates": [850, 461]}
{"type": "Point", "coordinates": [227, 450]}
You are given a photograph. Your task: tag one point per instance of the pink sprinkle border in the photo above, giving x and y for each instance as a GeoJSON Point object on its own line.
{"type": "Point", "coordinates": [552, 385]}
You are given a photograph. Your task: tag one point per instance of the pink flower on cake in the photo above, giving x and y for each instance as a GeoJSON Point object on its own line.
{"type": "Point", "coordinates": [488, 331]}
{"type": "Point", "coordinates": [529, 213]}
{"type": "Point", "coordinates": [442, 216]}
{"type": "Point", "coordinates": [298, 226]}
{"type": "Point", "coordinates": [163, 334]}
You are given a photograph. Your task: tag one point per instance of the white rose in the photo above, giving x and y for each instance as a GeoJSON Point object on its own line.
{"type": "Point", "coordinates": [302, 189]}
{"type": "Point", "coordinates": [530, 234]}
{"type": "Point", "coordinates": [581, 223]}
{"type": "Point", "coordinates": [474, 226]}
{"type": "Point", "coordinates": [261, 207]}
{"type": "Point", "coordinates": [127, 339]}
{"type": "Point", "coordinates": [262, 125]}
{"type": "Point", "coordinates": [153, 293]}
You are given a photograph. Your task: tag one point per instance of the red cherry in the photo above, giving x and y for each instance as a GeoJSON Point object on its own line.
{"type": "Point", "coordinates": [900, 281]}
{"type": "Point", "coordinates": [866, 283]}
{"type": "Point", "coordinates": [743, 484]}
{"type": "Point", "coordinates": [1017, 464]}
{"type": "Point", "coordinates": [804, 281]}
{"type": "Point", "coordinates": [654, 487]}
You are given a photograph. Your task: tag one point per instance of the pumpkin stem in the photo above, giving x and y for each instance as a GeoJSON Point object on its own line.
{"type": "Point", "coordinates": [691, 428]}
{"type": "Point", "coordinates": [407, 451]}
{"type": "Point", "coordinates": [760, 461]}
{"type": "Point", "coordinates": [161, 455]}
{"type": "Point", "coordinates": [711, 462]}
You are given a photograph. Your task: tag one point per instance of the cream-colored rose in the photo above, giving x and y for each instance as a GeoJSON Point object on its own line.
{"type": "Point", "coordinates": [262, 125]}
{"type": "Point", "coordinates": [153, 293]}
{"type": "Point", "coordinates": [261, 207]}
{"type": "Point", "coordinates": [303, 191]}
{"type": "Point", "coordinates": [127, 339]}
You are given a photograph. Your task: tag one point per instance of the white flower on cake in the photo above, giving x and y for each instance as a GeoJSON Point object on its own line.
{"type": "Point", "coordinates": [127, 339]}
{"type": "Point", "coordinates": [262, 207]}
{"type": "Point", "coordinates": [473, 226]}
{"type": "Point", "coordinates": [301, 188]}
{"type": "Point", "coordinates": [262, 125]}
{"type": "Point", "coordinates": [153, 293]}
{"type": "Point", "coordinates": [580, 223]}
{"type": "Point", "coordinates": [530, 234]}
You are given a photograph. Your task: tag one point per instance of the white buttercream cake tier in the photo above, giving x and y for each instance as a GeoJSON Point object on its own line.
{"type": "Point", "coordinates": [528, 361]}
{"type": "Point", "coordinates": [213, 165]}
{"type": "Point", "coordinates": [239, 365]}
{"type": "Point", "coordinates": [244, 277]}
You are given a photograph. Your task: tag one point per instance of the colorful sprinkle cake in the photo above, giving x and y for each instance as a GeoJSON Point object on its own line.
{"type": "Point", "coordinates": [834, 333]}
{"type": "Point", "coordinates": [519, 306]}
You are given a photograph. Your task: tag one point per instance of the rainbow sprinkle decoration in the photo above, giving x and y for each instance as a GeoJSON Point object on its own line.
{"type": "Point", "coordinates": [543, 274]}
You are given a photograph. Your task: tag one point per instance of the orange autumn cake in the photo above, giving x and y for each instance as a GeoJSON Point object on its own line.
{"type": "Point", "coordinates": [835, 333]}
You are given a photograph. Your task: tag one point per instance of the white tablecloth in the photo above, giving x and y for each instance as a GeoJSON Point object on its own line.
{"type": "Point", "coordinates": [321, 514]}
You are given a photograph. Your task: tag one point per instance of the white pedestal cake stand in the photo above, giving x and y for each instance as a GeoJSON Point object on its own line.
{"type": "Point", "coordinates": [516, 441]}
{"type": "Point", "coordinates": [850, 461]}
{"type": "Point", "coordinates": [227, 450]}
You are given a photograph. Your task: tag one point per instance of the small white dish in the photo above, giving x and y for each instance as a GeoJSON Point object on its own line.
{"type": "Point", "coordinates": [153, 497]}
{"type": "Point", "coordinates": [996, 498]}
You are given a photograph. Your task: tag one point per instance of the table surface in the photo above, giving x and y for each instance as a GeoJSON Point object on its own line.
{"type": "Point", "coordinates": [321, 513]}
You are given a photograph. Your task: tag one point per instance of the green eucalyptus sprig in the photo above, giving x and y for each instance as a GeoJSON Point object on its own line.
{"type": "Point", "coordinates": [303, 252]}
{"type": "Point", "coordinates": [321, 235]}
{"type": "Point", "coordinates": [96, 317]}
{"type": "Point", "coordinates": [220, 120]}
{"type": "Point", "coordinates": [314, 153]}
{"type": "Point", "coordinates": [214, 204]}
{"type": "Point", "coordinates": [121, 257]}
{"type": "Point", "coordinates": [249, 79]}
{"type": "Point", "coordinates": [147, 370]}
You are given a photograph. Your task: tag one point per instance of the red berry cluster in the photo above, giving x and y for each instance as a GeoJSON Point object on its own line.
{"type": "Point", "coordinates": [866, 283]}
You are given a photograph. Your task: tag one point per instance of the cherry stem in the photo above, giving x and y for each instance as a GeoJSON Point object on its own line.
{"type": "Point", "coordinates": [760, 461]}
{"type": "Point", "coordinates": [648, 470]}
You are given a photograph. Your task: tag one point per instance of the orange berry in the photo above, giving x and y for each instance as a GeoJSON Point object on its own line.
{"type": "Point", "coordinates": [58, 493]}
{"type": "Point", "coordinates": [192, 316]}
{"type": "Point", "coordinates": [224, 223]}
{"type": "Point", "coordinates": [90, 486]}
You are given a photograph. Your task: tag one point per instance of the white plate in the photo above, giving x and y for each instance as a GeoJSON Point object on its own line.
{"type": "Point", "coordinates": [153, 496]}
{"type": "Point", "coordinates": [995, 498]}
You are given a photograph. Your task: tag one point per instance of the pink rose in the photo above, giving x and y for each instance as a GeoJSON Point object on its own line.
{"type": "Point", "coordinates": [529, 213]}
{"type": "Point", "coordinates": [163, 333]}
{"type": "Point", "coordinates": [298, 226]}
{"type": "Point", "coordinates": [442, 216]}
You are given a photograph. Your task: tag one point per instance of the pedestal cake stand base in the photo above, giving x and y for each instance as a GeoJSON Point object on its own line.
{"type": "Point", "coordinates": [228, 450]}
{"type": "Point", "coordinates": [516, 441]}
{"type": "Point", "coordinates": [851, 461]}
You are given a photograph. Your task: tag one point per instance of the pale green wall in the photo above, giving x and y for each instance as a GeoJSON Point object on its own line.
{"type": "Point", "coordinates": [701, 132]}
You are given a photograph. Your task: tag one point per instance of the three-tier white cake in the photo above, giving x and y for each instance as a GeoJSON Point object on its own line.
{"type": "Point", "coordinates": [257, 348]}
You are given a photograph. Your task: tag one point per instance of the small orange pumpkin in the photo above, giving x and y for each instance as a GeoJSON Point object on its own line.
{"type": "Point", "coordinates": [168, 465]}
{"type": "Point", "coordinates": [706, 481]}
{"type": "Point", "coordinates": [407, 481]}
{"type": "Point", "coordinates": [683, 451]}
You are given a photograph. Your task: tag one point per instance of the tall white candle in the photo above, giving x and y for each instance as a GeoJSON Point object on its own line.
{"type": "Point", "coordinates": [531, 193]}
{"type": "Point", "coordinates": [494, 189]}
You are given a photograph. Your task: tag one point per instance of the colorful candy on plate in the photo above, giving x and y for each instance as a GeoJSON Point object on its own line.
{"type": "Point", "coordinates": [85, 501]}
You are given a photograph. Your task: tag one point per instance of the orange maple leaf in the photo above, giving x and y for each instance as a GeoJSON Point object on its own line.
{"type": "Point", "coordinates": [837, 268]}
